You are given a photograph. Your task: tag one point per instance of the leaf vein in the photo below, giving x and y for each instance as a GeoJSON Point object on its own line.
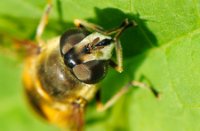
{"type": "Point", "coordinates": [171, 82]}
{"type": "Point", "coordinates": [170, 42]}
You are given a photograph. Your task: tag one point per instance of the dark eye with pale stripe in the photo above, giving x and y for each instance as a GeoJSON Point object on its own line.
{"type": "Point", "coordinates": [91, 72]}
{"type": "Point", "coordinates": [71, 38]}
{"type": "Point", "coordinates": [104, 42]}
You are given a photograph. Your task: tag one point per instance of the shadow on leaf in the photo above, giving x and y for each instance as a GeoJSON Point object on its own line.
{"type": "Point", "coordinates": [135, 43]}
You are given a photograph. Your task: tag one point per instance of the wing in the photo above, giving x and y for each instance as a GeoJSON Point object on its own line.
{"type": "Point", "coordinates": [16, 47]}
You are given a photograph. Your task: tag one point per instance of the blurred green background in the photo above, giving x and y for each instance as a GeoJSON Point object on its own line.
{"type": "Point", "coordinates": [164, 48]}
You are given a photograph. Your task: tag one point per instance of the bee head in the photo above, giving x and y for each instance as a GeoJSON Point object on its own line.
{"type": "Point", "coordinates": [86, 54]}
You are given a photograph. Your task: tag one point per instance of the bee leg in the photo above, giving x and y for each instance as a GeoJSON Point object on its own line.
{"type": "Point", "coordinates": [114, 65]}
{"type": "Point", "coordinates": [118, 30]}
{"type": "Point", "coordinates": [43, 23]}
{"type": "Point", "coordinates": [119, 55]}
{"type": "Point", "coordinates": [118, 48]}
{"type": "Point", "coordinates": [102, 107]}
{"type": "Point", "coordinates": [98, 100]}
{"type": "Point", "coordinates": [93, 27]}
{"type": "Point", "coordinates": [88, 26]}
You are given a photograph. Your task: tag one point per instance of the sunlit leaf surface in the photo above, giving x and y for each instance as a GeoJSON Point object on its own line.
{"type": "Point", "coordinates": [165, 48]}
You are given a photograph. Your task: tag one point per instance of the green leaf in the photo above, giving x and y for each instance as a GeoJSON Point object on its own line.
{"type": "Point", "coordinates": [164, 48]}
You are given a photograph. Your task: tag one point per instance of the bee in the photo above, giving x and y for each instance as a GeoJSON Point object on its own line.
{"type": "Point", "coordinates": [61, 76]}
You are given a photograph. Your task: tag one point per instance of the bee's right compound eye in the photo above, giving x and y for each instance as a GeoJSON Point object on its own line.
{"type": "Point", "coordinates": [90, 72]}
{"type": "Point", "coordinates": [70, 38]}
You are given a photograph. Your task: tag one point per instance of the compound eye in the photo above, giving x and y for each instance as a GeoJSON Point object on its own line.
{"type": "Point", "coordinates": [90, 72]}
{"type": "Point", "coordinates": [70, 38]}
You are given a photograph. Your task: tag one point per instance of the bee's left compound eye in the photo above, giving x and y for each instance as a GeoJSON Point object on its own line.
{"type": "Point", "coordinates": [90, 72]}
{"type": "Point", "coordinates": [71, 38]}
